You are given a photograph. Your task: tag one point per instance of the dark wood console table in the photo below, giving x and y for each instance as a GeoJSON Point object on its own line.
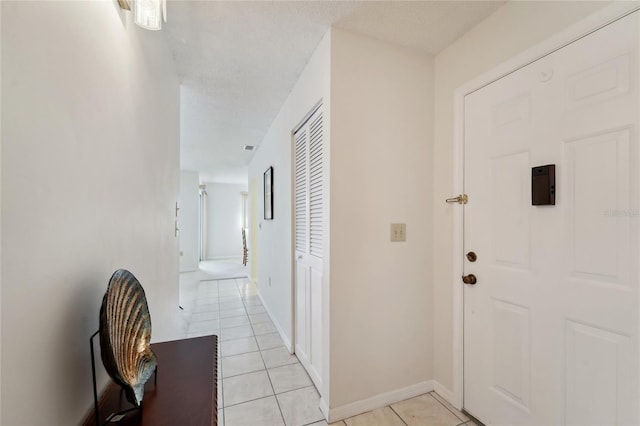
{"type": "Point", "coordinates": [186, 393]}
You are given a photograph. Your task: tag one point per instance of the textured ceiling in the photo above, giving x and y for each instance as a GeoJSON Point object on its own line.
{"type": "Point", "coordinates": [238, 61]}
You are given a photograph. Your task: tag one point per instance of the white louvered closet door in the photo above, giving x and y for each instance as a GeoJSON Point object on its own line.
{"type": "Point", "coordinates": [309, 235]}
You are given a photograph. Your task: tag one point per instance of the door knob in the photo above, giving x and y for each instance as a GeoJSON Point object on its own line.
{"type": "Point", "coordinates": [469, 279]}
{"type": "Point", "coordinates": [472, 257]}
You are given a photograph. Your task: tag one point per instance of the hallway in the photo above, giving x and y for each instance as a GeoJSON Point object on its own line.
{"type": "Point", "coordinates": [259, 382]}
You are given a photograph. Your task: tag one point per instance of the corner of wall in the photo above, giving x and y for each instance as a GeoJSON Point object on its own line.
{"type": "Point", "coordinates": [445, 393]}
{"type": "Point", "coordinates": [377, 401]}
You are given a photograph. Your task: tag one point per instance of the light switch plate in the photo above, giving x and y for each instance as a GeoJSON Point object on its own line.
{"type": "Point", "coordinates": [398, 232]}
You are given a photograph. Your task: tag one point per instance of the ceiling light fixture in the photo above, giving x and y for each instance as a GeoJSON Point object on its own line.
{"type": "Point", "coordinates": [148, 14]}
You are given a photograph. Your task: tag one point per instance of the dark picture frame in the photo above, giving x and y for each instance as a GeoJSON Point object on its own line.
{"type": "Point", "coordinates": [268, 194]}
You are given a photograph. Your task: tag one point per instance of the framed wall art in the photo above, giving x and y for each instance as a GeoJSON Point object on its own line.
{"type": "Point", "coordinates": [268, 194]}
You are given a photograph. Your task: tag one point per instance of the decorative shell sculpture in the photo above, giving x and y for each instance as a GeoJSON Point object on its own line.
{"type": "Point", "coordinates": [125, 334]}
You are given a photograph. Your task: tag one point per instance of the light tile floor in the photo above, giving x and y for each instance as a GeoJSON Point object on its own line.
{"type": "Point", "coordinates": [259, 381]}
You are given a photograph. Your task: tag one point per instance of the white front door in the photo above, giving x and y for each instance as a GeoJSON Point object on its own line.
{"type": "Point", "coordinates": [551, 325]}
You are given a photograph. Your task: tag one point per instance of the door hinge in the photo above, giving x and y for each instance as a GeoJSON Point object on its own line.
{"type": "Point", "coordinates": [460, 199]}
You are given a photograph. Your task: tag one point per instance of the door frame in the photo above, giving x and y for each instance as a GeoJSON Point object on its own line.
{"type": "Point", "coordinates": [592, 23]}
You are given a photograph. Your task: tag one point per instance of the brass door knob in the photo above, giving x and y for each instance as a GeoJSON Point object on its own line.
{"type": "Point", "coordinates": [469, 279]}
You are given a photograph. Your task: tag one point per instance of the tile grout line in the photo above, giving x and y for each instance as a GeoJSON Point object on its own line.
{"type": "Point", "coordinates": [242, 353]}
{"type": "Point", "coordinates": [253, 400]}
{"type": "Point", "coordinates": [448, 409]}
{"type": "Point", "coordinates": [297, 389]}
{"type": "Point", "coordinates": [396, 413]}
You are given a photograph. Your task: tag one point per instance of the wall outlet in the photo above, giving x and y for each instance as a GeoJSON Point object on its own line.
{"type": "Point", "coordinates": [398, 232]}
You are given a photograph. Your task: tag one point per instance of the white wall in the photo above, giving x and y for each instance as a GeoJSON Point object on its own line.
{"type": "Point", "coordinates": [0, 216]}
{"type": "Point", "coordinates": [188, 221]}
{"type": "Point", "coordinates": [90, 177]}
{"type": "Point", "coordinates": [224, 220]}
{"type": "Point", "coordinates": [510, 30]}
{"type": "Point", "coordinates": [252, 242]}
{"type": "Point", "coordinates": [378, 102]}
{"type": "Point", "coordinates": [274, 236]}
{"type": "Point", "coordinates": [381, 160]}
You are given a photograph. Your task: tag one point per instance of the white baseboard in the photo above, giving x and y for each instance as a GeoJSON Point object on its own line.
{"type": "Point", "coordinates": [283, 335]}
{"type": "Point", "coordinates": [378, 401]}
{"type": "Point", "coordinates": [444, 392]}
{"type": "Point", "coordinates": [90, 413]}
